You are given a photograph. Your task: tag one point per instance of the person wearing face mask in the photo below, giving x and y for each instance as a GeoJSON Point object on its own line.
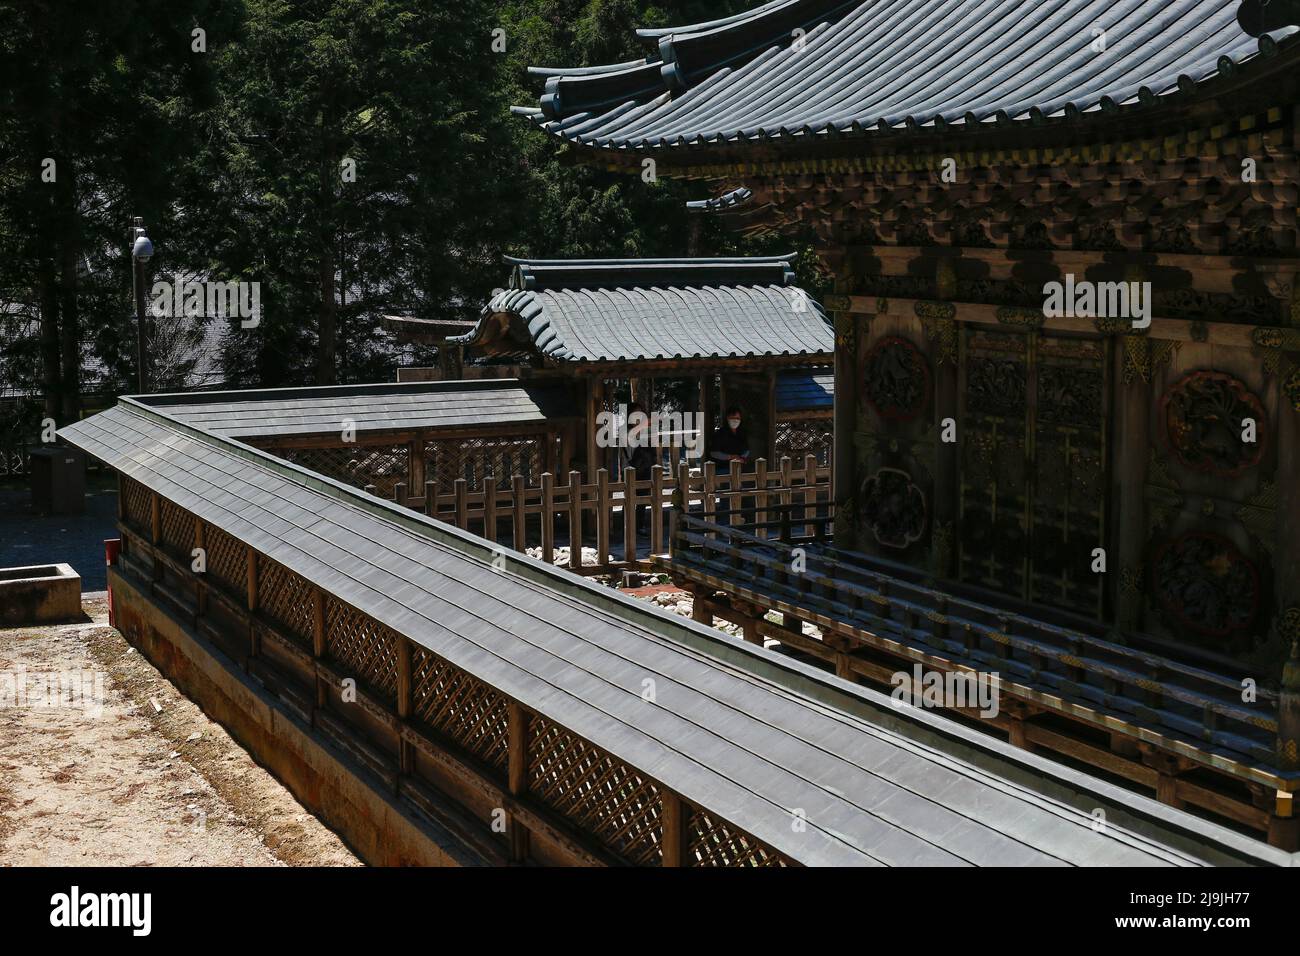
{"type": "Point", "coordinates": [729, 443]}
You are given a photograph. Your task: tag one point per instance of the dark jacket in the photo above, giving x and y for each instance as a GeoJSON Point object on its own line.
{"type": "Point", "coordinates": [726, 442]}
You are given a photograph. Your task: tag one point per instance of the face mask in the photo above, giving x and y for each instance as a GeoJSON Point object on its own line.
{"type": "Point", "coordinates": [733, 423]}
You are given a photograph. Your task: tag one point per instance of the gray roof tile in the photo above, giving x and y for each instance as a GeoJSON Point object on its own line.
{"type": "Point", "coordinates": [645, 309]}
{"type": "Point", "coordinates": [870, 65]}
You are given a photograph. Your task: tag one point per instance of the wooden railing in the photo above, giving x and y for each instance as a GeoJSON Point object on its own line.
{"type": "Point", "coordinates": [602, 515]}
{"type": "Point", "coordinates": [424, 726]}
{"type": "Point", "coordinates": [1192, 710]}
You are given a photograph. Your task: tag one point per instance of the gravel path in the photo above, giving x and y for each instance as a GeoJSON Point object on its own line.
{"type": "Point", "coordinates": [136, 775]}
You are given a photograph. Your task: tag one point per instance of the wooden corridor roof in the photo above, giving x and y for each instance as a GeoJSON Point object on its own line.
{"type": "Point", "coordinates": [870, 67]}
{"type": "Point", "coordinates": [740, 731]}
{"type": "Point", "coordinates": [383, 407]}
{"type": "Point", "coordinates": [637, 310]}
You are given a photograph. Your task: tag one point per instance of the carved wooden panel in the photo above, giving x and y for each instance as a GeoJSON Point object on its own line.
{"type": "Point", "coordinates": [1033, 458]}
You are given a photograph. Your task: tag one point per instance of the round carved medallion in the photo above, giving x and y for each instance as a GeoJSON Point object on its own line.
{"type": "Point", "coordinates": [893, 507]}
{"type": "Point", "coordinates": [896, 379]}
{"type": "Point", "coordinates": [1207, 584]}
{"type": "Point", "coordinates": [1205, 417]}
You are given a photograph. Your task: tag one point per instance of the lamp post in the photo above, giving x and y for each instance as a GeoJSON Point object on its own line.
{"type": "Point", "coordinates": [141, 253]}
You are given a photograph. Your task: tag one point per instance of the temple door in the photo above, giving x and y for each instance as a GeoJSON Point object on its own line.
{"type": "Point", "coordinates": [1033, 465]}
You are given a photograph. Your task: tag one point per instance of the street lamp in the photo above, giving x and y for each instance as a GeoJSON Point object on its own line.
{"type": "Point", "coordinates": [141, 253]}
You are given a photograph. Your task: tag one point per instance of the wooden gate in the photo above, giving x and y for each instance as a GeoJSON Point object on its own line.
{"type": "Point", "coordinates": [1034, 465]}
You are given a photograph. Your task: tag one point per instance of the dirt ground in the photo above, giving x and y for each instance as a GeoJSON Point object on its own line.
{"type": "Point", "coordinates": [134, 774]}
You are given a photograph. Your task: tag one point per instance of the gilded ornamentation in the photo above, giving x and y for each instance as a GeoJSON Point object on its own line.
{"type": "Point", "coordinates": [1163, 494]}
{"type": "Point", "coordinates": [944, 332]}
{"type": "Point", "coordinates": [1115, 325]}
{"type": "Point", "coordinates": [1024, 318]}
{"type": "Point", "coordinates": [1130, 580]}
{"type": "Point", "coordinates": [1288, 624]}
{"type": "Point", "coordinates": [935, 311]}
{"type": "Point", "coordinates": [1137, 359]}
{"type": "Point", "coordinates": [941, 547]}
{"type": "Point", "coordinates": [1274, 341]}
{"type": "Point", "coordinates": [1259, 515]}
{"type": "Point", "coordinates": [1291, 387]}
{"type": "Point", "coordinates": [1204, 415]}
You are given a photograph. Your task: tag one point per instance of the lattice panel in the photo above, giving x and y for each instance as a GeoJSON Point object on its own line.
{"type": "Point", "coordinates": [603, 795]}
{"type": "Point", "coordinates": [804, 436]}
{"type": "Point", "coordinates": [138, 504]}
{"type": "Point", "coordinates": [714, 843]}
{"type": "Point", "coordinates": [383, 466]}
{"type": "Point", "coordinates": [177, 528]}
{"type": "Point", "coordinates": [285, 598]}
{"type": "Point", "coordinates": [475, 458]}
{"type": "Point", "coordinates": [363, 645]}
{"type": "Point", "coordinates": [227, 559]}
{"type": "Point", "coordinates": [459, 706]}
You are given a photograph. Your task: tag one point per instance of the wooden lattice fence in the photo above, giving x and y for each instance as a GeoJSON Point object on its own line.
{"type": "Point", "coordinates": [305, 643]}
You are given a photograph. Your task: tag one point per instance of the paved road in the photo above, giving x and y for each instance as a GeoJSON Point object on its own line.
{"type": "Point", "coordinates": [28, 538]}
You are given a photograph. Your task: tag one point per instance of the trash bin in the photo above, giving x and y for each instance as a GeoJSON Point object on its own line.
{"type": "Point", "coordinates": [58, 477]}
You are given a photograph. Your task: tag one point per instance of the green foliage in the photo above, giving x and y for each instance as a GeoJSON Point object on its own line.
{"type": "Point", "coordinates": [235, 158]}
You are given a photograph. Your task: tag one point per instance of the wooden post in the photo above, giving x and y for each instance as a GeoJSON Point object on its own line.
{"type": "Point", "coordinates": [629, 515]}
{"type": "Point", "coordinates": [399, 493]}
{"type": "Point", "coordinates": [548, 518]}
{"type": "Point", "coordinates": [254, 638]}
{"type": "Point", "coordinates": [200, 580]}
{"type": "Point", "coordinates": [734, 501]}
{"type": "Point", "coordinates": [520, 515]}
{"type": "Point", "coordinates": [710, 492]}
{"type": "Point", "coordinates": [318, 643]}
{"type": "Point", "coordinates": [809, 490]}
{"type": "Point", "coordinates": [415, 462]}
{"type": "Point", "coordinates": [430, 499]}
{"type": "Point", "coordinates": [462, 503]}
{"type": "Point", "coordinates": [674, 818]}
{"type": "Point", "coordinates": [490, 507]}
{"type": "Point", "coordinates": [760, 498]}
{"type": "Point", "coordinates": [405, 755]}
{"type": "Point", "coordinates": [517, 773]}
{"type": "Point", "coordinates": [657, 509]}
{"type": "Point", "coordinates": [251, 560]}
{"type": "Point", "coordinates": [594, 395]}
{"type": "Point", "coordinates": [155, 533]}
{"type": "Point", "coordinates": [575, 520]}
{"type": "Point", "coordinates": [604, 505]}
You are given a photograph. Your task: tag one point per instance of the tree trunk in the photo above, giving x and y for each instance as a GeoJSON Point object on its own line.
{"type": "Point", "coordinates": [327, 324]}
{"type": "Point", "coordinates": [70, 325]}
{"type": "Point", "coordinates": [51, 375]}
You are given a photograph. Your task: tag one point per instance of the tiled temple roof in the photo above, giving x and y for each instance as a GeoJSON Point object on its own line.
{"type": "Point", "coordinates": [808, 69]}
{"type": "Point", "coordinates": [619, 310]}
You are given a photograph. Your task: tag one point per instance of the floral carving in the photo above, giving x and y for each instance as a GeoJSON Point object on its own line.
{"type": "Point", "coordinates": [897, 379]}
{"type": "Point", "coordinates": [1204, 416]}
{"type": "Point", "coordinates": [1207, 584]}
{"type": "Point", "coordinates": [893, 507]}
